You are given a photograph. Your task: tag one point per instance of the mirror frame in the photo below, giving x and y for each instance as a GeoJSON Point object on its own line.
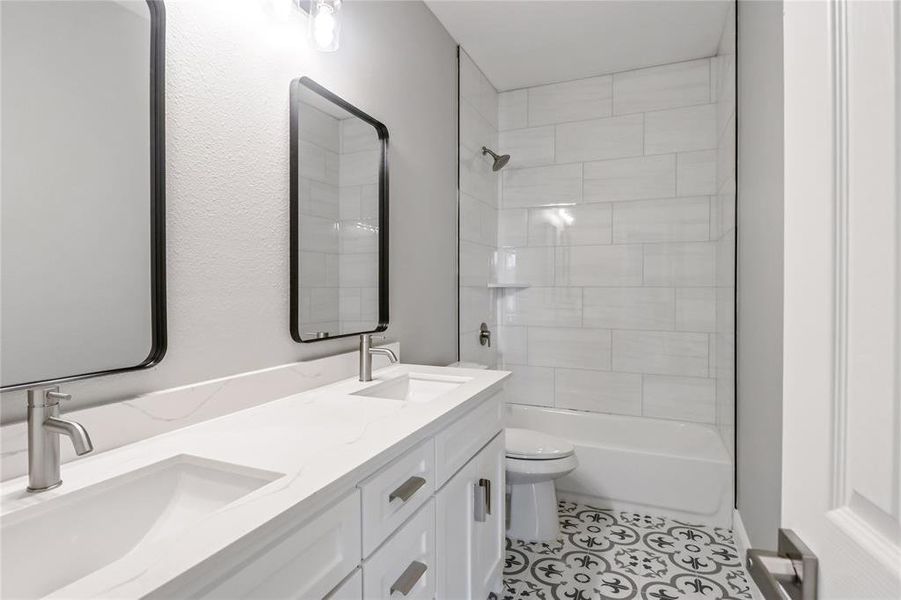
{"type": "Point", "coordinates": [296, 88]}
{"type": "Point", "coordinates": [157, 134]}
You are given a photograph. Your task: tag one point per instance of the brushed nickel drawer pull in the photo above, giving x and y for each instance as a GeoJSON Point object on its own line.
{"type": "Point", "coordinates": [406, 490]}
{"type": "Point", "coordinates": [486, 485]}
{"type": "Point", "coordinates": [481, 501]}
{"type": "Point", "coordinates": [409, 578]}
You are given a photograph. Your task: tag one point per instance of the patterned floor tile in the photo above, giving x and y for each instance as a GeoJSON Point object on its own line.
{"type": "Point", "coordinates": [615, 555]}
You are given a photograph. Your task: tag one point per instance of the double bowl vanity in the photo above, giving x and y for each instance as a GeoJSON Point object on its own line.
{"type": "Point", "coordinates": [392, 488]}
{"type": "Point", "coordinates": [386, 488]}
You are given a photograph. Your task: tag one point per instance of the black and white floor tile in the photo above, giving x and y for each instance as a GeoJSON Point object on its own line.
{"type": "Point", "coordinates": [616, 555]}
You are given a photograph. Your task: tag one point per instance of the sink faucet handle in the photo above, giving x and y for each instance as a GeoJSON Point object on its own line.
{"type": "Point", "coordinates": [58, 396]}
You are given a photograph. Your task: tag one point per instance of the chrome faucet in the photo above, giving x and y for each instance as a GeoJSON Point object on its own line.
{"type": "Point", "coordinates": [366, 352]}
{"type": "Point", "coordinates": [44, 429]}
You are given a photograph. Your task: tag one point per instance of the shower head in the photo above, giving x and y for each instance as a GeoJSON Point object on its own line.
{"type": "Point", "coordinates": [499, 161]}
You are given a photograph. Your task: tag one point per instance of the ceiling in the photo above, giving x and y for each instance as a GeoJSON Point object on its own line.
{"type": "Point", "coordinates": [520, 43]}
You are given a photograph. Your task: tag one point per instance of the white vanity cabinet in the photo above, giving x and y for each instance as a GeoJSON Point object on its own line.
{"type": "Point", "coordinates": [462, 525]}
{"type": "Point", "coordinates": [427, 524]}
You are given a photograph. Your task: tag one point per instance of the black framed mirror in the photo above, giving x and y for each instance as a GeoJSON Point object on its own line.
{"type": "Point", "coordinates": [339, 217]}
{"type": "Point", "coordinates": [82, 246]}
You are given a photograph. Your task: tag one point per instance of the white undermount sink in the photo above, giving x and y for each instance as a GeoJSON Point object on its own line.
{"type": "Point", "coordinates": [53, 544]}
{"type": "Point", "coordinates": [414, 387]}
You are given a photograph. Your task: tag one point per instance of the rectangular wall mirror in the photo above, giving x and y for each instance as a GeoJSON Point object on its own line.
{"type": "Point", "coordinates": [339, 217]}
{"type": "Point", "coordinates": [82, 246]}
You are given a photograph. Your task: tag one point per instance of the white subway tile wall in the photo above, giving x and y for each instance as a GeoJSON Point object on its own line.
{"type": "Point", "coordinates": [629, 308]}
{"type": "Point", "coordinates": [570, 101]}
{"type": "Point", "coordinates": [680, 129]}
{"type": "Point", "coordinates": [480, 225]}
{"type": "Point", "coordinates": [534, 265]}
{"type": "Point", "coordinates": [599, 139]}
{"type": "Point", "coordinates": [615, 208]}
{"type": "Point", "coordinates": [532, 146]}
{"type": "Point", "coordinates": [598, 391]}
{"type": "Point", "coordinates": [513, 110]}
{"type": "Point", "coordinates": [666, 86]}
{"type": "Point", "coordinates": [580, 348]}
{"type": "Point", "coordinates": [542, 307]}
{"type": "Point", "coordinates": [630, 178]}
{"type": "Point", "coordinates": [542, 186]}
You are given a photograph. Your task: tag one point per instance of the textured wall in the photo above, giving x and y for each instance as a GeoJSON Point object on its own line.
{"type": "Point", "coordinates": [229, 66]}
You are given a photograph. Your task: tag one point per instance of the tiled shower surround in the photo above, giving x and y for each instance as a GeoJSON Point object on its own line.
{"type": "Point", "coordinates": [616, 210]}
{"type": "Point", "coordinates": [479, 193]}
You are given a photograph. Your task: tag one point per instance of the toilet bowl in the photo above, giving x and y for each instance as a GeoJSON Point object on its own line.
{"type": "Point", "coordinates": [534, 460]}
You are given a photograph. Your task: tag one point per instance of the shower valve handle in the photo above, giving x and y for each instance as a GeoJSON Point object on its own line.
{"type": "Point", "coordinates": [484, 335]}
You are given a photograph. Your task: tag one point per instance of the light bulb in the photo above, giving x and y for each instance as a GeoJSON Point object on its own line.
{"type": "Point", "coordinates": [325, 24]}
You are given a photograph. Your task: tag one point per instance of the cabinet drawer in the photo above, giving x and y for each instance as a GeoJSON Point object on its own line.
{"type": "Point", "coordinates": [394, 493]}
{"type": "Point", "coordinates": [308, 561]}
{"type": "Point", "coordinates": [404, 567]}
{"type": "Point", "coordinates": [459, 442]}
{"type": "Point", "coordinates": [350, 589]}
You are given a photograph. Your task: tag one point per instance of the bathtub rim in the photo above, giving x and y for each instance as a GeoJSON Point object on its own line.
{"type": "Point", "coordinates": [713, 450]}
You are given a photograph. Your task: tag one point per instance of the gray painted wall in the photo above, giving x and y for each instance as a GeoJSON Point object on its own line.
{"type": "Point", "coordinates": [760, 268]}
{"type": "Point", "coordinates": [229, 66]}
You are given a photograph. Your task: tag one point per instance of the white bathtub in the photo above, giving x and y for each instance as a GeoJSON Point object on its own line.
{"type": "Point", "coordinates": [679, 470]}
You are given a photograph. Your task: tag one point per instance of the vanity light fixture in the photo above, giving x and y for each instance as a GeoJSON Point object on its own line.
{"type": "Point", "coordinates": [325, 22]}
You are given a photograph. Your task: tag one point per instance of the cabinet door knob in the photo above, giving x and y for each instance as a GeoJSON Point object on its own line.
{"type": "Point", "coordinates": [411, 575]}
{"type": "Point", "coordinates": [406, 490]}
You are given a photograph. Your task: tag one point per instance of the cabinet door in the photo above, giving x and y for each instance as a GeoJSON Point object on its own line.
{"type": "Point", "coordinates": [488, 535]}
{"type": "Point", "coordinates": [470, 527]}
{"type": "Point", "coordinates": [454, 534]}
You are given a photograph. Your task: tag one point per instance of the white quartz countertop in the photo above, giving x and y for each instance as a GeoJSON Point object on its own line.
{"type": "Point", "coordinates": [324, 441]}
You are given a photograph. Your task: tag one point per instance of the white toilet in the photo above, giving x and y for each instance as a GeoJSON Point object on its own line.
{"type": "Point", "coordinates": [534, 461]}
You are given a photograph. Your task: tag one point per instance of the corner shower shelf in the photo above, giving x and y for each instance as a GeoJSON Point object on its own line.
{"type": "Point", "coordinates": [512, 286]}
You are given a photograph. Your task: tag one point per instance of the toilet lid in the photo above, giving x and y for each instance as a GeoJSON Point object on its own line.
{"type": "Point", "coordinates": [535, 445]}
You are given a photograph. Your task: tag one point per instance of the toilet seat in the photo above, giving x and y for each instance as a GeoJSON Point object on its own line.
{"type": "Point", "coordinates": [527, 471]}
{"type": "Point", "coordinates": [526, 444]}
